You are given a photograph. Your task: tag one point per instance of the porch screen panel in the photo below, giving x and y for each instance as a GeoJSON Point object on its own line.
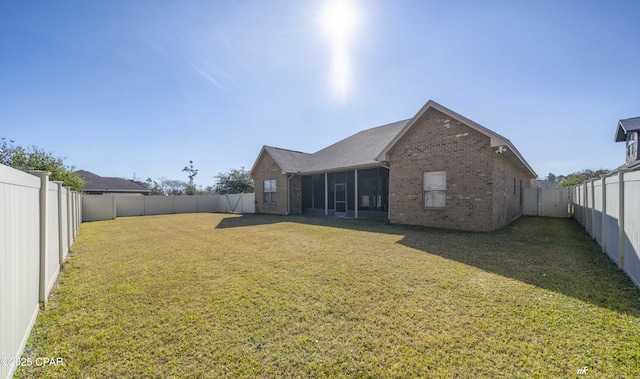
{"type": "Point", "coordinates": [351, 196]}
{"type": "Point", "coordinates": [373, 187]}
{"type": "Point", "coordinates": [307, 192]}
{"type": "Point", "coordinates": [318, 191]}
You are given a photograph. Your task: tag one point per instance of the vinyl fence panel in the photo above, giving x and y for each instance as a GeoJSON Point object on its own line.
{"type": "Point", "coordinates": [206, 203]}
{"type": "Point", "coordinates": [555, 202]}
{"type": "Point", "coordinates": [98, 207]}
{"type": "Point", "coordinates": [185, 204]}
{"type": "Point", "coordinates": [609, 209]}
{"type": "Point", "coordinates": [19, 261]}
{"type": "Point", "coordinates": [52, 256]}
{"type": "Point", "coordinates": [63, 222]}
{"type": "Point", "coordinates": [129, 205]}
{"type": "Point", "coordinates": [158, 205]}
{"type": "Point", "coordinates": [632, 226]}
{"type": "Point", "coordinates": [106, 207]}
{"type": "Point", "coordinates": [547, 202]}
{"type": "Point", "coordinates": [611, 217]}
{"type": "Point", "coordinates": [248, 204]}
{"type": "Point", "coordinates": [597, 210]}
{"type": "Point", "coordinates": [530, 202]}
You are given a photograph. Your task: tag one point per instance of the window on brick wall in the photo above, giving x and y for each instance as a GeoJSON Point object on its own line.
{"type": "Point", "coordinates": [270, 191]}
{"type": "Point", "coordinates": [631, 145]}
{"type": "Point", "coordinates": [434, 186]}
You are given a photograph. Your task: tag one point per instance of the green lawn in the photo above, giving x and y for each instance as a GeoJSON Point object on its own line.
{"type": "Point", "coordinates": [213, 295]}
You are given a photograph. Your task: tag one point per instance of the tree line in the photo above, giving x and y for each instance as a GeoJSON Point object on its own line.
{"type": "Point", "coordinates": [35, 158]}
{"type": "Point", "coordinates": [575, 178]}
{"type": "Point", "coordinates": [234, 181]}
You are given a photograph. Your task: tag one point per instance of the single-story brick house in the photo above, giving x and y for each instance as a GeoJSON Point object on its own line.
{"type": "Point", "coordinates": [436, 169]}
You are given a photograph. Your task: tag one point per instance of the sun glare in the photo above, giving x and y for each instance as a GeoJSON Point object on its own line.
{"type": "Point", "coordinates": [339, 21]}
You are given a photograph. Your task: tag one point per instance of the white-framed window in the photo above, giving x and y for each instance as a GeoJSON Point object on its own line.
{"type": "Point", "coordinates": [434, 187]}
{"type": "Point", "coordinates": [632, 145]}
{"type": "Point", "coordinates": [270, 191]}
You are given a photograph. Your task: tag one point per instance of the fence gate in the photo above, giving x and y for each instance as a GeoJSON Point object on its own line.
{"type": "Point", "coordinates": [547, 202]}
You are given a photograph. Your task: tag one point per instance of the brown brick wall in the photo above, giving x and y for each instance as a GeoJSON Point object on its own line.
{"type": "Point", "coordinates": [268, 169]}
{"type": "Point", "coordinates": [295, 188]}
{"type": "Point", "coordinates": [479, 193]}
{"type": "Point", "coordinates": [508, 183]}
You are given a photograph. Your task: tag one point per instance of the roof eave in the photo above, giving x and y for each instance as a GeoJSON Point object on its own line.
{"type": "Point", "coordinates": [339, 169]}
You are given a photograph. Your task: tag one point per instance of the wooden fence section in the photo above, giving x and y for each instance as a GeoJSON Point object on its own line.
{"type": "Point", "coordinates": [609, 209]}
{"type": "Point", "coordinates": [38, 223]}
{"type": "Point", "coordinates": [107, 207]}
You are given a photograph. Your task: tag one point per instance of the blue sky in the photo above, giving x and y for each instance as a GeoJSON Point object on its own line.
{"type": "Point", "coordinates": [142, 87]}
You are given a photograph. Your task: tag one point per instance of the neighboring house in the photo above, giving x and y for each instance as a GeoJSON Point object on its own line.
{"type": "Point", "coordinates": [436, 169]}
{"type": "Point", "coordinates": [628, 131]}
{"type": "Point", "coordinates": [99, 185]}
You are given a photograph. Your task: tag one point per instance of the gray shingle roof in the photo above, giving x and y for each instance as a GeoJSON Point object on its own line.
{"type": "Point", "coordinates": [358, 150]}
{"type": "Point", "coordinates": [631, 123]}
{"type": "Point", "coordinates": [288, 160]}
{"type": "Point", "coordinates": [97, 183]}
{"type": "Point", "coordinates": [625, 126]}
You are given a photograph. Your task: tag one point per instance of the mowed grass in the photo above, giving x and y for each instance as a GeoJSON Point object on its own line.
{"type": "Point", "coordinates": [213, 295]}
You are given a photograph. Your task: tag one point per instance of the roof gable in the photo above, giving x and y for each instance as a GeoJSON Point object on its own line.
{"type": "Point", "coordinates": [625, 126]}
{"type": "Point", "coordinates": [496, 140]}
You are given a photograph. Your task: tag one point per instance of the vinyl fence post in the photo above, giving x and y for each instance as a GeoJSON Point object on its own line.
{"type": "Point", "coordinates": [586, 206]}
{"type": "Point", "coordinates": [593, 208]}
{"type": "Point", "coordinates": [60, 239]}
{"type": "Point", "coordinates": [69, 218]}
{"type": "Point", "coordinates": [621, 233]}
{"type": "Point", "coordinates": [44, 189]}
{"type": "Point", "coordinates": [604, 212]}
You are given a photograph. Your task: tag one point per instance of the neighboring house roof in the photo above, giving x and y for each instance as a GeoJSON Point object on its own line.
{"type": "Point", "coordinates": [370, 147]}
{"type": "Point", "coordinates": [625, 126]}
{"type": "Point", "coordinates": [95, 183]}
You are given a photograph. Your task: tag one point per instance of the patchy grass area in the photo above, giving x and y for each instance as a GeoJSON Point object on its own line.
{"type": "Point", "coordinates": [211, 295]}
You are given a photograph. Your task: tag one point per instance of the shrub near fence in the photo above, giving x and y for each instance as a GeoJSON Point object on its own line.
{"type": "Point", "coordinates": [38, 223]}
{"type": "Point", "coordinates": [609, 209]}
{"type": "Point", "coordinates": [106, 207]}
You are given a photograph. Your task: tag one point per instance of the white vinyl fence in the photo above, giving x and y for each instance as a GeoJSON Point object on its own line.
{"type": "Point", "coordinates": [107, 207]}
{"type": "Point", "coordinates": [547, 202]}
{"type": "Point", "coordinates": [609, 209]}
{"type": "Point", "coordinates": [39, 220]}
